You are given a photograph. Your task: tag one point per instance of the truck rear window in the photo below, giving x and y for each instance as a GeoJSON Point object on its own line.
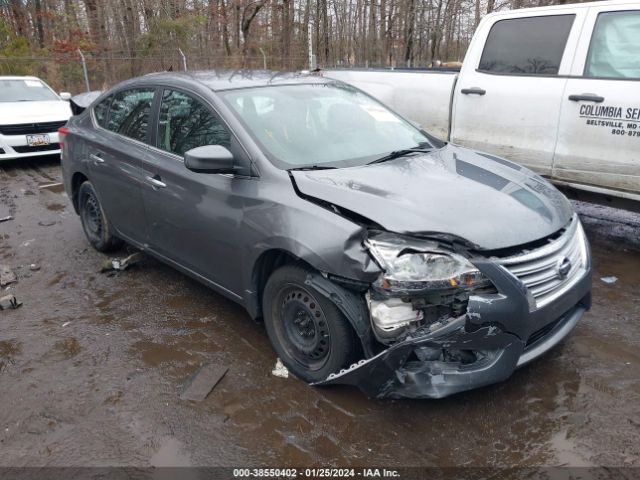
{"type": "Point", "coordinates": [526, 46]}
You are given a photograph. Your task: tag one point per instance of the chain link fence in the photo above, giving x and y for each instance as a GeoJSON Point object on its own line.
{"type": "Point", "coordinates": [74, 71]}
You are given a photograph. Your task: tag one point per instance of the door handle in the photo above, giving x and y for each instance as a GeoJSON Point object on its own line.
{"type": "Point", "coordinates": [586, 97]}
{"type": "Point", "coordinates": [96, 158]}
{"type": "Point", "coordinates": [473, 91]}
{"type": "Point", "coordinates": [156, 182]}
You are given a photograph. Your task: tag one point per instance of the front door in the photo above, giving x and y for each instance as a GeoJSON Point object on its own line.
{"type": "Point", "coordinates": [193, 218]}
{"type": "Point", "coordinates": [599, 132]}
{"type": "Point", "coordinates": [508, 102]}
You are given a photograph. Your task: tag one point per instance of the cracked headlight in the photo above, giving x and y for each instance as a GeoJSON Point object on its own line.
{"type": "Point", "coordinates": [412, 265]}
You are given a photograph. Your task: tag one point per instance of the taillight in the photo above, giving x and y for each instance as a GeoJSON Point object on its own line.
{"type": "Point", "coordinates": [62, 134]}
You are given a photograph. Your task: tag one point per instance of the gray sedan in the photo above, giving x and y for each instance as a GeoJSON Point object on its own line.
{"type": "Point", "coordinates": [375, 254]}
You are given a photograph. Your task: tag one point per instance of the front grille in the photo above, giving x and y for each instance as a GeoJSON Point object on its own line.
{"type": "Point", "coordinates": [39, 148]}
{"type": "Point", "coordinates": [31, 128]}
{"type": "Point", "coordinates": [541, 269]}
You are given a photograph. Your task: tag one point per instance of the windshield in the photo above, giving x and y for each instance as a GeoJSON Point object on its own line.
{"type": "Point", "coordinates": [330, 125]}
{"type": "Point", "coordinates": [25, 90]}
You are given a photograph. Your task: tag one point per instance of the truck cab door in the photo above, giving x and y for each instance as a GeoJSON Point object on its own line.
{"type": "Point", "coordinates": [509, 93]}
{"type": "Point", "coordinates": [599, 131]}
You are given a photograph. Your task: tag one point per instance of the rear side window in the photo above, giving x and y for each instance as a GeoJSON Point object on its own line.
{"type": "Point", "coordinates": [526, 46]}
{"type": "Point", "coordinates": [129, 113]}
{"type": "Point", "coordinates": [614, 46]}
{"type": "Point", "coordinates": [100, 112]}
{"type": "Point", "coordinates": [186, 123]}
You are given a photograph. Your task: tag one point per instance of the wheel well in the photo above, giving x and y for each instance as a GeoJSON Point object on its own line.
{"type": "Point", "coordinates": [77, 180]}
{"type": "Point", "coordinates": [266, 264]}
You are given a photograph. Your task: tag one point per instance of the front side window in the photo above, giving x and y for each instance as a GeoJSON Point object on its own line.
{"type": "Point", "coordinates": [186, 123]}
{"type": "Point", "coordinates": [129, 113]}
{"type": "Point", "coordinates": [526, 46]}
{"type": "Point", "coordinates": [614, 46]}
{"type": "Point", "coordinates": [100, 111]}
{"type": "Point", "coordinates": [329, 124]}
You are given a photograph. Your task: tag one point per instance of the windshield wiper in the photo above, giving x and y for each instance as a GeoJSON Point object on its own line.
{"type": "Point", "coordinates": [313, 167]}
{"type": "Point", "coordinates": [401, 153]}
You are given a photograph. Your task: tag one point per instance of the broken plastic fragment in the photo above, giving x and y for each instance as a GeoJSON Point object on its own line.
{"type": "Point", "coordinates": [121, 263]}
{"type": "Point", "coordinates": [609, 280]}
{"type": "Point", "coordinates": [280, 370]}
{"type": "Point", "coordinates": [9, 302]}
{"type": "Point", "coordinates": [7, 276]}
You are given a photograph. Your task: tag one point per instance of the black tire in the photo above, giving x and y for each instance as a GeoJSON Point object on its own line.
{"type": "Point", "coordinates": [94, 222]}
{"type": "Point", "coordinates": [307, 330]}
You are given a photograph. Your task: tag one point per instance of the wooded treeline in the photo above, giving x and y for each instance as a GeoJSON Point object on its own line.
{"type": "Point", "coordinates": [124, 38]}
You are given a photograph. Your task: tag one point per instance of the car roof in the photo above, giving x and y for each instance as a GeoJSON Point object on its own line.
{"type": "Point", "coordinates": [16, 77]}
{"type": "Point", "coordinates": [219, 80]}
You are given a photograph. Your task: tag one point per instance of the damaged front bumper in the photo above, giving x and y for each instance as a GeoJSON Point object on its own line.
{"type": "Point", "coordinates": [502, 331]}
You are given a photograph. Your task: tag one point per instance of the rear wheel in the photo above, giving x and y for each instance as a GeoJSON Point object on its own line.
{"type": "Point", "coordinates": [309, 333]}
{"type": "Point", "coordinates": [94, 222]}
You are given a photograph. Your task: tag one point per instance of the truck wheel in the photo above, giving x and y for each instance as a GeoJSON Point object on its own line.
{"type": "Point", "coordinates": [308, 332]}
{"type": "Point", "coordinates": [94, 222]}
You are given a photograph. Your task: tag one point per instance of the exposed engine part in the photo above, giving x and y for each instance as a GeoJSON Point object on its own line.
{"type": "Point", "coordinates": [391, 316]}
{"type": "Point", "coordinates": [396, 318]}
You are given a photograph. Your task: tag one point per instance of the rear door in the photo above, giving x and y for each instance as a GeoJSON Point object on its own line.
{"type": "Point", "coordinates": [599, 132]}
{"type": "Point", "coordinates": [116, 151]}
{"type": "Point", "coordinates": [193, 218]}
{"type": "Point", "coordinates": [508, 97]}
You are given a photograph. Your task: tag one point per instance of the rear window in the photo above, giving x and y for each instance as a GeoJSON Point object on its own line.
{"type": "Point", "coordinates": [526, 46]}
{"type": "Point", "coordinates": [100, 111]}
{"type": "Point", "coordinates": [614, 46]}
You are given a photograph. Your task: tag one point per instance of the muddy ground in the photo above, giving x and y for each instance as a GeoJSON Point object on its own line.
{"type": "Point", "coordinates": [91, 367]}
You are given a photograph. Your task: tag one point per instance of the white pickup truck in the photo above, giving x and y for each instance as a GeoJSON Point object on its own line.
{"type": "Point", "coordinates": [556, 89]}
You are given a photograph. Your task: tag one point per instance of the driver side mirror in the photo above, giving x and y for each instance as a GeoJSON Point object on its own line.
{"type": "Point", "coordinates": [65, 96]}
{"type": "Point", "coordinates": [209, 159]}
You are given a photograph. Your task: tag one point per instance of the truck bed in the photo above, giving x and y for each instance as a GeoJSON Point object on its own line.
{"type": "Point", "coordinates": [404, 90]}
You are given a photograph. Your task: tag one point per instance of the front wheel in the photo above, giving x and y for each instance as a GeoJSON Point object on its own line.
{"type": "Point", "coordinates": [94, 222]}
{"type": "Point", "coordinates": [309, 333]}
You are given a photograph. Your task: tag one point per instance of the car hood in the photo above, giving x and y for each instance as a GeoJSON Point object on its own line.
{"type": "Point", "coordinates": [485, 200]}
{"type": "Point", "coordinates": [33, 112]}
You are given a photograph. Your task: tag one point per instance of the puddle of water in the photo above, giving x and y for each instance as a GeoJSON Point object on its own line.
{"type": "Point", "coordinates": [56, 207]}
{"type": "Point", "coordinates": [10, 348]}
{"type": "Point", "coordinates": [170, 455]}
{"type": "Point", "coordinates": [154, 354]}
{"type": "Point", "coordinates": [69, 347]}
{"type": "Point", "coordinates": [566, 451]}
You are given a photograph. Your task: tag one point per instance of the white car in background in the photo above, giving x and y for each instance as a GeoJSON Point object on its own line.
{"type": "Point", "coordinates": [30, 115]}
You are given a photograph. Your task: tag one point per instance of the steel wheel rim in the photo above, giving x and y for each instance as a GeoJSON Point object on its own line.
{"type": "Point", "coordinates": [303, 328]}
{"type": "Point", "coordinates": [92, 216]}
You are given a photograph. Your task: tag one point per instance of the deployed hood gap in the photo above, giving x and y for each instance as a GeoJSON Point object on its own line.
{"type": "Point", "coordinates": [343, 212]}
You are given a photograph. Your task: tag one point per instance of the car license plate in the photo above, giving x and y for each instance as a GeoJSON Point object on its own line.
{"type": "Point", "coordinates": [38, 140]}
